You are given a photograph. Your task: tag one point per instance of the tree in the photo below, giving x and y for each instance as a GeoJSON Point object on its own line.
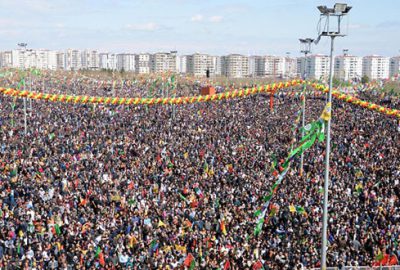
{"type": "Point", "coordinates": [365, 79]}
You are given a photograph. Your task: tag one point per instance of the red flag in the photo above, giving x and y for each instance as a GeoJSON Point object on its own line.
{"type": "Point", "coordinates": [188, 260]}
{"type": "Point", "coordinates": [101, 259]}
{"type": "Point", "coordinates": [227, 265]}
{"type": "Point", "coordinates": [393, 260]}
{"type": "Point", "coordinates": [258, 265]}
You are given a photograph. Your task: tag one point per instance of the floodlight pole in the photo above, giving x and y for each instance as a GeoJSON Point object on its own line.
{"type": "Point", "coordinates": [327, 155]}
{"type": "Point", "coordinates": [338, 11]}
{"type": "Point", "coordinates": [307, 49]}
{"type": "Point", "coordinates": [23, 45]}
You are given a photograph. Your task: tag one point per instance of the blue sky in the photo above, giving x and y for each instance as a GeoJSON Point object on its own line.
{"type": "Point", "coordinates": [210, 26]}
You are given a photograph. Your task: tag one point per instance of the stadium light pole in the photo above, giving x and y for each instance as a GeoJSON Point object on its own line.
{"type": "Point", "coordinates": [24, 45]}
{"type": "Point", "coordinates": [306, 49]}
{"type": "Point", "coordinates": [331, 30]}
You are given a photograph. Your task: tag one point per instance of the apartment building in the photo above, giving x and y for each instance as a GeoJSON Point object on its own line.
{"type": "Point", "coordinates": [126, 62]}
{"type": "Point", "coordinates": [235, 66]}
{"type": "Point", "coordinates": [108, 61]}
{"type": "Point", "coordinates": [314, 67]}
{"type": "Point", "coordinates": [90, 59]}
{"type": "Point", "coordinates": [290, 70]}
{"type": "Point", "coordinates": [6, 59]}
{"type": "Point", "coordinates": [394, 68]}
{"type": "Point", "coordinates": [142, 63]}
{"type": "Point", "coordinates": [348, 67]}
{"type": "Point", "coordinates": [163, 62]}
{"type": "Point", "coordinates": [375, 67]}
{"type": "Point", "coordinates": [73, 59]}
{"type": "Point", "coordinates": [61, 64]}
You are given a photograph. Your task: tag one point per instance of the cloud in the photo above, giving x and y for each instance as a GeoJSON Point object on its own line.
{"type": "Point", "coordinates": [201, 18]}
{"type": "Point", "coordinates": [215, 19]}
{"type": "Point", "coordinates": [143, 27]}
{"type": "Point", "coordinates": [197, 18]}
{"type": "Point", "coordinates": [389, 24]}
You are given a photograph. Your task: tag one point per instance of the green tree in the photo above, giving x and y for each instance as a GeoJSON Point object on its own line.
{"type": "Point", "coordinates": [365, 79]}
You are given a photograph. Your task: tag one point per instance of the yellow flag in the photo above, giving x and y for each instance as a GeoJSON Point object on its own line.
{"type": "Point", "coordinates": [180, 248]}
{"type": "Point", "coordinates": [326, 114]}
{"type": "Point", "coordinates": [292, 208]}
{"type": "Point", "coordinates": [161, 224]}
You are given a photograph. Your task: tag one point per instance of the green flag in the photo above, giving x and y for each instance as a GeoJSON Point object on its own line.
{"type": "Point", "coordinates": [58, 230]}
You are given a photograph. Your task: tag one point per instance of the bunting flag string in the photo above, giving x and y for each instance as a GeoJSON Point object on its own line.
{"type": "Point", "coordinates": [270, 88]}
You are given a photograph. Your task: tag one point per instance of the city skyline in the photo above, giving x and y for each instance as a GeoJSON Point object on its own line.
{"type": "Point", "coordinates": [346, 67]}
{"type": "Point", "coordinates": [214, 27]}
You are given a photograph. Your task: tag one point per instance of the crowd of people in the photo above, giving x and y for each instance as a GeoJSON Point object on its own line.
{"type": "Point", "coordinates": [162, 187]}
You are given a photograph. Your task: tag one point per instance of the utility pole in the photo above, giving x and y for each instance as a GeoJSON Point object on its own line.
{"type": "Point", "coordinates": [332, 31]}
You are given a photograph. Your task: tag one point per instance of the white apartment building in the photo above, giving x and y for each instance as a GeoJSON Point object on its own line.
{"type": "Point", "coordinates": [394, 66]}
{"type": "Point", "coordinates": [274, 66]}
{"type": "Point", "coordinates": [6, 59]}
{"type": "Point", "coordinates": [290, 67]}
{"type": "Point", "coordinates": [107, 61]}
{"type": "Point", "coordinates": [90, 59]}
{"type": "Point", "coordinates": [267, 66]}
{"type": "Point", "coordinates": [235, 66]}
{"type": "Point", "coordinates": [181, 63]}
{"type": "Point", "coordinates": [163, 62]}
{"type": "Point", "coordinates": [197, 64]}
{"type": "Point", "coordinates": [73, 59]}
{"type": "Point", "coordinates": [61, 64]}
{"type": "Point", "coordinates": [142, 63]}
{"type": "Point", "coordinates": [317, 66]}
{"type": "Point", "coordinates": [347, 67]}
{"type": "Point", "coordinates": [40, 59]}
{"type": "Point", "coordinates": [376, 67]}
{"type": "Point", "coordinates": [126, 62]}
{"type": "Point", "coordinates": [253, 60]}
{"type": "Point", "coordinates": [216, 64]}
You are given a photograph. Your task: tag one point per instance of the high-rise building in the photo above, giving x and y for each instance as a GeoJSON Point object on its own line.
{"type": "Point", "coordinates": [6, 59]}
{"type": "Point", "coordinates": [142, 62]}
{"type": "Point", "coordinates": [216, 65]}
{"type": "Point", "coordinates": [163, 62]}
{"type": "Point", "coordinates": [347, 67]}
{"type": "Point", "coordinates": [126, 62]}
{"type": "Point", "coordinates": [90, 59]}
{"type": "Point", "coordinates": [269, 66]}
{"type": "Point", "coordinates": [317, 66]}
{"type": "Point", "coordinates": [376, 67]}
{"type": "Point", "coordinates": [274, 66]}
{"type": "Point", "coordinates": [290, 67]}
{"type": "Point", "coordinates": [235, 65]}
{"type": "Point", "coordinates": [197, 64]}
{"type": "Point", "coordinates": [61, 64]}
{"type": "Point", "coordinates": [108, 61]}
{"type": "Point", "coordinates": [394, 66]}
{"type": "Point", "coordinates": [182, 64]}
{"type": "Point", "coordinates": [73, 59]}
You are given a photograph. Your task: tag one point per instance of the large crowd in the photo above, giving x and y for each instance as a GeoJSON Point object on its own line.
{"type": "Point", "coordinates": [157, 187]}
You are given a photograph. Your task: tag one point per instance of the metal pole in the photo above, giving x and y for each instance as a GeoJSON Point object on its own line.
{"type": "Point", "coordinates": [25, 118]}
{"type": "Point", "coordinates": [326, 180]}
{"type": "Point", "coordinates": [303, 110]}
{"type": "Point", "coordinates": [30, 100]}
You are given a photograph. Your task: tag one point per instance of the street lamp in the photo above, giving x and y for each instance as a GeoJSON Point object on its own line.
{"type": "Point", "coordinates": [306, 49]}
{"type": "Point", "coordinates": [337, 12]}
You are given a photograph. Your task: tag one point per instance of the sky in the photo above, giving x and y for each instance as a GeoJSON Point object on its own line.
{"type": "Point", "coordinates": [250, 27]}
